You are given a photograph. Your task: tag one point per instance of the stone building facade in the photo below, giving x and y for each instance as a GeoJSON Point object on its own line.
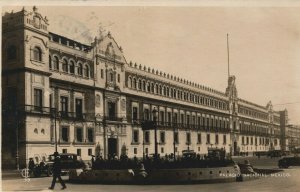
{"type": "Point", "coordinates": [87, 99]}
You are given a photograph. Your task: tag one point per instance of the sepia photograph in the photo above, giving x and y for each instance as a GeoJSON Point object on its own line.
{"type": "Point", "coordinates": [149, 96]}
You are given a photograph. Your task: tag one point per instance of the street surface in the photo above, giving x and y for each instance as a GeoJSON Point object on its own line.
{"type": "Point", "coordinates": [287, 180]}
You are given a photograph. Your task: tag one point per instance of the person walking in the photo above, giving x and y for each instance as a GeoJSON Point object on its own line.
{"type": "Point", "coordinates": [57, 172]}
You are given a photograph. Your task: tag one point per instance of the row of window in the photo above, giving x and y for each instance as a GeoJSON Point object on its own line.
{"type": "Point", "coordinates": [252, 113]}
{"type": "Point", "coordinates": [65, 135]}
{"type": "Point", "coordinates": [165, 118]}
{"type": "Point", "coordinates": [257, 128]}
{"type": "Point", "coordinates": [162, 138]}
{"type": "Point", "coordinates": [78, 151]}
{"type": "Point", "coordinates": [64, 103]}
{"type": "Point", "coordinates": [175, 93]}
{"type": "Point", "coordinates": [260, 141]}
{"type": "Point", "coordinates": [69, 66]}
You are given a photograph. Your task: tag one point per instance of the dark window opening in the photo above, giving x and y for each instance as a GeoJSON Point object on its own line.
{"type": "Point", "coordinates": [135, 136]}
{"type": "Point", "coordinates": [37, 54]}
{"type": "Point", "coordinates": [91, 135]}
{"type": "Point", "coordinates": [134, 113]}
{"type": "Point", "coordinates": [111, 111]}
{"type": "Point", "coordinates": [65, 134]}
{"type": "Point", "coordinates": [38, 99]}
{"type": "Point", "coordinates": [79, 135]}
{"type": "Point", "coordinates": [78, 108]}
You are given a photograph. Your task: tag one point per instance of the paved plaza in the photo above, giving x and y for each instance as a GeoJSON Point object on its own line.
{"type": "Point", "coordinates": [288, 180]}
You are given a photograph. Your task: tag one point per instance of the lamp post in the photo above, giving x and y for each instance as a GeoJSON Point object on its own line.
{"type": "Point", "coordinates": [154, 111]}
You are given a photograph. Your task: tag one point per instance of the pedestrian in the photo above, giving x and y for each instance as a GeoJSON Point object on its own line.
{"type": "Point", "coordinates": [57, 172]}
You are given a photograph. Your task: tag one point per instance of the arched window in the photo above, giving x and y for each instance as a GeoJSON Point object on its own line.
{"type": "Point", "coordinates": [11, 53]}
{"type": "Point", "coordinates": [160, 89]}
{"type": "Point", "coordinates": [156, 89]}
{"type": "Point", "coordinates": [140, 84]}
{"type": "Point", "coordinates": [134, 83]}
{"type": "Point", "coordinates": [65, 65]}
{"type": "Point", "coordinates": [164, 89]}
{"type": "Point", "coordinates": [111, 76]}
{"type": "Point", "coordinates": [55, 63]}
{"type": "Point", "coordinates": [86, 71]}
{"type": "Point", "coordinates": [50, 62]}
{"type": "Point", "coordinates": [37, 54]}
{"type": "Point", "coordinates": [79, 69]}
{"type": "Point", "coordinates": [129, 82]}
{"type": "Point", "coordinates": [72, 67]}
{"type": "Point", "coordinates": [152, 87]}
{"type": "Point", "coordinates": [144, 85]}
{"type": "Point", "coordinates": [148, 87]}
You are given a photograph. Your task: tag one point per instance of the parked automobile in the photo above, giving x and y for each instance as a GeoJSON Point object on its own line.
{"type": "Point", "coordinates": [68, 161]}
{"type": "Point", "coordinates": [286, 162]}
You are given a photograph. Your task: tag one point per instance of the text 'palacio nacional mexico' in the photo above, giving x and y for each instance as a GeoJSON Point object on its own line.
{"type": "Point", "coordinates": [87, 99]}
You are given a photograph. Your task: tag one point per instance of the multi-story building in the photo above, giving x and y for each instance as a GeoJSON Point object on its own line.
{"type": "Point", "coordinates": [293, 137]}
{"type": "Point", "coordinates": [58, 93]}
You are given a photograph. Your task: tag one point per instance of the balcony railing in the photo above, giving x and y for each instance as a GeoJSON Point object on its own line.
{"type": "Point", "coordinates": [113, 118]}
{"type": "Point", "coordinates": [71, 115]}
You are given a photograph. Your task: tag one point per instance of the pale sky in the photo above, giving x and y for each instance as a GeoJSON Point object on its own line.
{"type": "Point", "coordinates": [190, 42]}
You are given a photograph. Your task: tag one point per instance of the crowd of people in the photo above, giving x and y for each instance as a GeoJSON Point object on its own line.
{"type": "Point", "coordinates": [191, 160]}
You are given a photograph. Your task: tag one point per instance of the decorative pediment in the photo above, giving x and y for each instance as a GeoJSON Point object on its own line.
{"type": "Point", "coordinates": [108, 48]}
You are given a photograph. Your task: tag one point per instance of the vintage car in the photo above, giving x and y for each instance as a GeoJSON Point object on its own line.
{"type": "Point", "coordinates": [285, 162]}
{"type": "Point", "coordinates": [68, 161]}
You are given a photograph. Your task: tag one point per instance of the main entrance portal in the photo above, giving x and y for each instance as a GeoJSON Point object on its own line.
{"type": "Point", "coordinates": [112, 147]}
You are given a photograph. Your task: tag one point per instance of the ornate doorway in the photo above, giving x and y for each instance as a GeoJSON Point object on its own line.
{"type": "Point", "coordinates": [112, 147]}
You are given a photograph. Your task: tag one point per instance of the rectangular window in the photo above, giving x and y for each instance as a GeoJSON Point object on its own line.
{"type": "Point", "coordinates": [147, 137]}
{"type": "Point", "coordinates": [188, 138]}
{"type": "Point", "coordinates": [217, 139]}
{"type": "Point", "coordinates": [135, 136]}
{"type": "Point", "coordinates": [90, 152]}
{"type": "Point", "coordinates": [64, 150]}
{"type": "Point", "coordinates": [146, 150]}
{"type": "Point", "coordinates": [208, 139]}
{"type": "Point", "coordinates": [169, 118]}
{"type": "Point", "coordinates": [64, 105]}
{"type": "Point", "coordinates": [182, 118]}
{"type": "Point", "coordinates": [243, 140]}
{"type": "Point", "coordinates": [162, 150]}
{"type": "Point", "coordinates": [162, 137]}
{"type": "Point", "coordinates": [162, 117]}
{"type": "Point", "coordinates": [146, 114]}
{"type": "Point", "coordinates": [194, 120]}
{"type": "Point", "coordinates": [50, 100]}
{"type": "Point", "coordinates": [79, 152]}
{"type": "Point", "coordinates": [176, 137]}
{"type": "Point", "coordinates": [102, 74]}
{"type": "Point", "coordinates": [119, 78]}
{"type": "Point", "coordinates": [79, 135]}
{"type": "Point", "coordinates": [247, 139]}
{"type": "Point", "coordinates": [38, 99]}
{"type": "Point", "coordinates": [134, 113]}
{"type": "Point", "coordinates": [188, 120]}
{"type": "Point", "coordinates": [251, 140]}
{"type": "Point", "coordinates": [135, 151]}
{"type": "Point", "coordinates": [111, 111]}
{"type": "Point", "coordinates": [199, 138]}
{"type": "Point", "coordinates": [224, 139]}
{"type": "Point", "coordinates": [65, 134]}
{"type": "Point", "coordinates": [90, 135]}
{"type": "Point", "coordinates": [175, 118]}
{"type": "Point", "coordinates": [78, 108]}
